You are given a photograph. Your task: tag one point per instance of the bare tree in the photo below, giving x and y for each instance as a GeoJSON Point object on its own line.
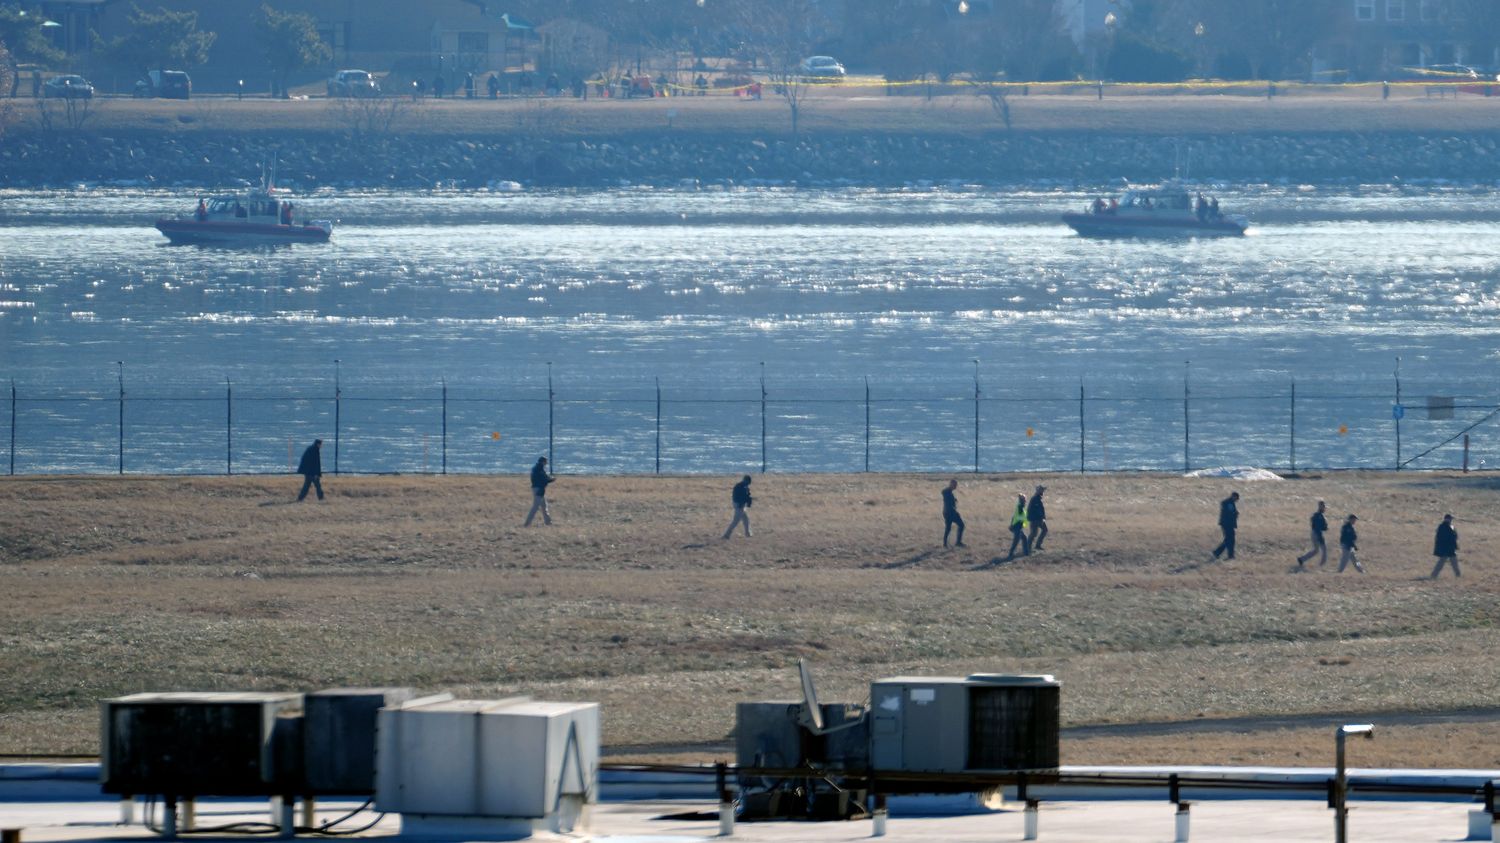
{"type": "Point", "coordinates": [1479, 22]}
{"type": "Point", "coordinates": [371, 116]}
{"type": "Point", "coordinates": [571, 48]}
{"type": "Point", "coordinates": [1276, 37]}
{"type": "Point", "coordinates": [1011, 44]}
{"type": "Point", "coordinates": [783, 33]}
{"type": "Point", "coordinates": [7, 81]}
{"type": "Point", "coordinates": [70, 113]}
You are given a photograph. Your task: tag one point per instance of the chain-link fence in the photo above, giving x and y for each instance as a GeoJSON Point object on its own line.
{"type": "Point", "coordinates": [647, 428]}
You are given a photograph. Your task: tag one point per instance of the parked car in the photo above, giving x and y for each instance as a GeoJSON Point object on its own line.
{"type": "Point", "coordinates": [353, 83]}
{"type": "Point", "coordinates": [822, 66]}
{"type": "Point", "coordinates": [167, 84]}
{"type": "Point", "coordinates": [69, 86]}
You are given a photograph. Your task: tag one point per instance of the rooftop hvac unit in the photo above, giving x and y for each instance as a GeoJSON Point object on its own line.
{"type": "Point", "coordinates": [984, 722]}
{"type": "Point", "coordinates": [487, 769]}
{"type": "Point", "coordinates": [194, 744]}
{"type": "Point", "coordinates": [805, 735]}
{"type": "Point", "coordinates": [338, 738]}
{"type": "Point", "coordinates": [772, 734]}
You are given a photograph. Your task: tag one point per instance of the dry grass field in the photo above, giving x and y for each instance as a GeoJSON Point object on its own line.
{"type": "Point", "coordinates": [862, 109]}
{"type": "Point", "coordinates": [117, 585]}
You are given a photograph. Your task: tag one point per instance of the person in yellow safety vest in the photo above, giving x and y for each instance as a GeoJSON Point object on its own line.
{"type": "Point", "coordinates": [1018, 530]}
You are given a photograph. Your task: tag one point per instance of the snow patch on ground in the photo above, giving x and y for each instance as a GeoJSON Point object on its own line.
{"type": "Point", "coordinates": [1235, 472]}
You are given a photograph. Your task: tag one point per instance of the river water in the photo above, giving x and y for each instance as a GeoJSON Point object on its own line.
{"type": "Point", "coordinates": [227, 357]}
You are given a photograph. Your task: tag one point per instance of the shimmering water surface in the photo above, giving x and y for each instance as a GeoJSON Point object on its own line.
{"type": "Point", "coordinates": [622, 289]}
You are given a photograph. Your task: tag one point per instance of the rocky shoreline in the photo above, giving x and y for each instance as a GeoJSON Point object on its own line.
{"type": "Point", "coordinates": [318, 159]}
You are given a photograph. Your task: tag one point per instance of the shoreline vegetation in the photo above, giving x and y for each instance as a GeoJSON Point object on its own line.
{"type": "Point", "coordinates": [632, 599]}
{"type": "Point", "coordinates": [1314, 137]}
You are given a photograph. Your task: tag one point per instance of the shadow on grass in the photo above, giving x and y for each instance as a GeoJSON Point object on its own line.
{"type": "Point", "coordinates": [994, 563]}
{"type": "Point", "coordinates": [1189, 567]}
{"type": "Point", "coordinates": [908, 562]}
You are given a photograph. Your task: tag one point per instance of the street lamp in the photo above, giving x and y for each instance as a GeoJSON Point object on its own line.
{"type": "Point", "coordinates": [1198, 30]}
{"type": "Point", "coordinates": [1109, 34]}
{"type": "Point", "coordinates": [240, 94]}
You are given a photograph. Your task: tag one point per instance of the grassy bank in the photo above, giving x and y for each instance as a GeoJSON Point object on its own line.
{"type": "Point", "coordinates": [118, 585]}
{"type": "Point", "coordinates": [863, 110]}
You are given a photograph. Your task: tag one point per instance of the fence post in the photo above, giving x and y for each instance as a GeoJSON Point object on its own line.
{"type": "Point", "coordinates": [867, 424]}
{"type": "Point", "coordinates": [1082, 432]}
{"type": "Point", "coordinates": [1293, 431]}
{"type": "Point", "coordinates": [228, 426]}
{"type": "Point", "coordinates": [762, 417]}
{"type": "Point", "coordinates": [976, 415]}
{"type": "Point", "coordinates": [12, 426]}
{"type": "Point", "coordinates": [1397, 413]}
{"type": "Point", "coordinates": [551, 419]}
{"type": "Point", "coordinates": [445, 425]}
{"type": "Point", "coordinates": [338, 397]}
{"type": "Point", "coordinates": [1187, 426]}
{"type": "Point", "coordinates": [658, 425]}
{"type": "Point", "coordinates": [121, 371]}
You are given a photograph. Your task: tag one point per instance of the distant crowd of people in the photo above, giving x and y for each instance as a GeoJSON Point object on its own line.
{"type": "Point", "coordinates": [624, 86]}
{"type": "Point", "coordinates": [1444, 541]}
{"type": "Point", "coordinates": [1028, 521]}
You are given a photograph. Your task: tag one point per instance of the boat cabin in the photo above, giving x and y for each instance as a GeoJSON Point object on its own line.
{"type": "Point", "coordinates": [1159, 200]}
{"type": "Point", "coordinates": [254, 207]}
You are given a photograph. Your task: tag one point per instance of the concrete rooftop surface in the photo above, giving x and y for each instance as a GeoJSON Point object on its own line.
{"type": "Point", "coordinates": [637, 822]}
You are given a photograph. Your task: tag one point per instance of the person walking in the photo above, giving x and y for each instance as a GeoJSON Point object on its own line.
{"type": "Point", "coordinates": [1319, 526]}
{"type": "Point", "coordinates": [311, 469]}
{"type": "Point", "coordinates": [1229, 521]}
{"type": "Point", "coordinates": [950, 514]}
{"type": "Point", "coordinates": [742, 500]}
{"type": "Point", "coordinates": [1036, 513]}
{"type": "Point", "coordinates": [1018, 530]}
{"type": "Point", "coordinates": [1348, 544]}
{"type": "Point", "coordinates": [1445, 547]}
{"type": "Point", "coordinates": [539, 481]}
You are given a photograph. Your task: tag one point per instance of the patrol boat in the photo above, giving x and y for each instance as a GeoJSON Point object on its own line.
{"type": "Point", "coordinates": [1169, 210]}
{"type": "Point", "coordinates": [261, 215]}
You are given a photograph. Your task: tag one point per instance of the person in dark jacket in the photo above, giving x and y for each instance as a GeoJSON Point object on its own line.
{"type": "Point", "coordinates": [742, 501]}
{"type": "Point", "coordinates": [1319, 526]}
{"type": "Point", "coordinates": [539, 480]}
{"type": "Point", "coordinates": [950, 514]}
{"type": "Point", "coordinates": [311, 469]}
{"type": "Point", "coordinates": [1445, 547]}
{"type": "Point", "coordinates": [1036, 513]}
{"type": "Point", "coordinates": [1229, 521]}
{"type": "Point", "coordinates": [1348, 544]}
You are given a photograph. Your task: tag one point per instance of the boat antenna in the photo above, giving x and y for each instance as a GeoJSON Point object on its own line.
{"type": "Point", "coordinates": [1177, 159]}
